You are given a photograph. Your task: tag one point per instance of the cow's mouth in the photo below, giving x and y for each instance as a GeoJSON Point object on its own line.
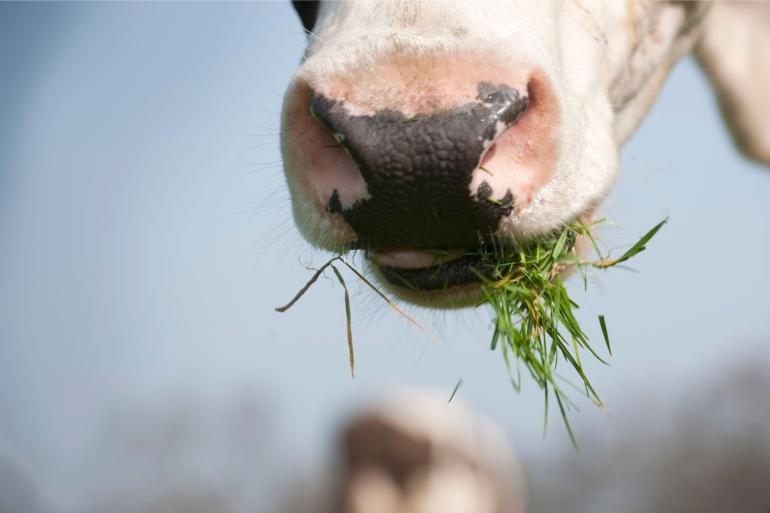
{"type": "Point", "coordinates": [434, 270]}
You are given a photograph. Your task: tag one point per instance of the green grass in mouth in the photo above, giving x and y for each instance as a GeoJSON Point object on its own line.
{"type": "Point", "coordinates": [534, 322]}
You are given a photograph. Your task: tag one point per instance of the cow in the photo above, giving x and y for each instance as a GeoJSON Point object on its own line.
{"type": "Point", "coordinates": [413, 127]}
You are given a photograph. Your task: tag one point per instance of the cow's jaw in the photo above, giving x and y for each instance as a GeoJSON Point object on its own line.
{"type": "Point", "coordinates": [588, 70]}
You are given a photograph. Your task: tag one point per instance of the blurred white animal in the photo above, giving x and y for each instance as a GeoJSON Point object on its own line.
{"type": "Point", "coordinates": [415, 453]}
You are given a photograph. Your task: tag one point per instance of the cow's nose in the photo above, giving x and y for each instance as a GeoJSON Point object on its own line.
{"type": "Point", "coordinates": [418, 170]}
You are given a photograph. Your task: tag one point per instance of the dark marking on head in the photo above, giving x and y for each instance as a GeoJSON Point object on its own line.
{"type": "Point", "coordinates": [418, 169]}
{"type": "Point", "coordinates": [307, 11]}
{"type": "Point", "coordinates": [334, 205]}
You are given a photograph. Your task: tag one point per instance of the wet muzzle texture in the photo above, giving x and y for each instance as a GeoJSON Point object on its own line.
{"type": "Point", "coordinates": [418, 170]}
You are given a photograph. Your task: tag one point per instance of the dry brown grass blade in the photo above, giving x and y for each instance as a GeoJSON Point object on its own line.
{"type": "Point", "coordinates": [307, 286]}
{"type": "Point", "coordinates": [387, 299]}
{"type": "Point", "coordinates": [348, 319]}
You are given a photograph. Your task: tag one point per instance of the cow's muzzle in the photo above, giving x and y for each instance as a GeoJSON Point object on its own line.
{"type": "Point", "coordinates": [418, 170]}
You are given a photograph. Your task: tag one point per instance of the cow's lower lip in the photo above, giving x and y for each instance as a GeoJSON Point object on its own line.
{"type": "Point", "coordinates": [451, 272]}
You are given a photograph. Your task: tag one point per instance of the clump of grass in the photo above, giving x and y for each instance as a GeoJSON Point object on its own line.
{"type": "Point", "coordinates": [534, 321]}
{"type": "Point", "coordinates": [535, 325]}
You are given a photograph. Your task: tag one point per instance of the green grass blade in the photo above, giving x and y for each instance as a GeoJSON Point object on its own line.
{"type": "Point", "coordinates": [637, 248]}
{"type": "Point", "coordinates": [348, 319]}
{"type": "Point", "coordinates": [456, 388]}
{"type": "Point", "coordinates": [603, 325]}
{"type": "Point", "coordinates": [566, 421]}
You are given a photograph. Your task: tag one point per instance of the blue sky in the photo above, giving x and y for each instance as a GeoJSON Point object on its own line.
{"type": "Point", "coordinates": [147, 236]}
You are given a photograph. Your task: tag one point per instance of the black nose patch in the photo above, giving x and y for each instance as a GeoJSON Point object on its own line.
{"type": "Point", "coordinates": [418, 170]}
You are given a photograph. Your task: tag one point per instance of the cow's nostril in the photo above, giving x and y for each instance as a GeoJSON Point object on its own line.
{"type": "Point", "coordinates": [418, 168]}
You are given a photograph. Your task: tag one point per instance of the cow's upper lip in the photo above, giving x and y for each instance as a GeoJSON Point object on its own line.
{"type": "Point", "coordinates": [431, 270]}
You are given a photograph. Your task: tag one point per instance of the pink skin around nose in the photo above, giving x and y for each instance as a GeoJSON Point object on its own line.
{"type": "Point", "coordinates": [521, 159]}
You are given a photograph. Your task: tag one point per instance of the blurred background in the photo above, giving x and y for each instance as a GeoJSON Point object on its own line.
{"type": "Point", "coordinates": [146, 236]}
